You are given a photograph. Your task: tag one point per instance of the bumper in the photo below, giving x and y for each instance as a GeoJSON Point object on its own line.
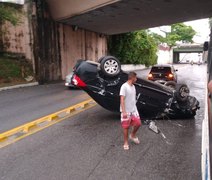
{"type": "Point", "coordinates": [69, 84]}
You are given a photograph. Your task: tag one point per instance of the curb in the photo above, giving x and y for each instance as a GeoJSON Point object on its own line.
{"type": "Point", "coordinates": [19, 86]}
{"type": "Point", "coordinates": [20, 132]}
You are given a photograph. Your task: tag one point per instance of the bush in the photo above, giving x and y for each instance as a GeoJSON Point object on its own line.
{"type": "Point", "coordinates": [134, 48]}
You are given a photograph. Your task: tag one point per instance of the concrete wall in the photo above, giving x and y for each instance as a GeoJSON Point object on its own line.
{"type": "Point", "coordinates": [132, 67]}
{"type": "Point", "coordinates": [80, 44]}
{"type": "Point", "coordinates": [18, 39]}
{"type": "Point", "coordinates": [52, 47]}
{"type": "Point", "coordinates": [164, 55]}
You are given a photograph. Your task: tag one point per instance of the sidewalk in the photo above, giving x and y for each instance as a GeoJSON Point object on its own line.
{"type": "Point", "coordinates": [19, 86]}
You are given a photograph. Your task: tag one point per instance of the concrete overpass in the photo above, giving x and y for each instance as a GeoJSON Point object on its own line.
{"type": "Point", "coordinates": [119, 16]}
{"type": "Point", "coordinates": [187, 48]}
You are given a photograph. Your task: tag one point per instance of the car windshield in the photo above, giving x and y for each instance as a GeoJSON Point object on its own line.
{"type": "Point", "coordinates": [161, 69]}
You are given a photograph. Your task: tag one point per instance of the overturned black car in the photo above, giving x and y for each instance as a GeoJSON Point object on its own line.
{"type": "Point", "coordinates": [102, 80]}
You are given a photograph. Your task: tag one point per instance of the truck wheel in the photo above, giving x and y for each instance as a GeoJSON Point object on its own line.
{"type": "Point", "coordinates": [110, 66]}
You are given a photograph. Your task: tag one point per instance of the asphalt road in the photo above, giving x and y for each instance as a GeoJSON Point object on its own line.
{"type": "Point", "coordinates": [22, 105]}
{"type": "Point", "coordinates": [89, 146]}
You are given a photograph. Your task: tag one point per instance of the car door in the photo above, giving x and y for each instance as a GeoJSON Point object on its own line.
{"type": "Point", "coordinates": [153, 98]}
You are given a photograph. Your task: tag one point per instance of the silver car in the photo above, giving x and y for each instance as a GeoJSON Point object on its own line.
{"type": "Point", "coordinates": [68, 80]}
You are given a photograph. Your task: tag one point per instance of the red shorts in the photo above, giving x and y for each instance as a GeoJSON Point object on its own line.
{"type": "Point", "coordinates": [132, 119]}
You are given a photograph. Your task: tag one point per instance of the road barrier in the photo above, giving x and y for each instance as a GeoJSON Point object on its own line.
{"type": "Point", "coordinates": [27, 129]}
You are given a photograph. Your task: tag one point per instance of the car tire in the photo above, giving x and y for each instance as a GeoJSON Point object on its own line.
{"type": "Point", "coordinates": [171, 84]}
{"type": "Point", "coordinates": [100, 59]}
{"type": "Point", "coordinates": [182, 92]}
{"type": "Point", "coordinates": [110, 66]}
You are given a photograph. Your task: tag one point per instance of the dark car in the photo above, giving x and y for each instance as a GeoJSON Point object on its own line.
{"type": "Point", "coordinates": [102, 81]}
{"type": "Point", "coordinates": [163, 73]}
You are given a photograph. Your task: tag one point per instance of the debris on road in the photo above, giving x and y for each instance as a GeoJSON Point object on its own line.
{"type": "Point", "coordinates": [153, 127]}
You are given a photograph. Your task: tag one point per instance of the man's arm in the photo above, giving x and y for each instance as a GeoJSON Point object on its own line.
{"type": "Point", "coordinates": [122, 100]}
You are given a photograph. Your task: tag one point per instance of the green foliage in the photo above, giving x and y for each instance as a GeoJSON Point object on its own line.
{"type": "Point", "coordinates": [11, 67]}
{"type": "Point", "coordinates": [157, 38]}
{"type": "Point", "coordinates": [10, 13]}
{"type": "Point", "coordinates": [134, 48]}
{"type": "Point", "coordinates": [179, 32]}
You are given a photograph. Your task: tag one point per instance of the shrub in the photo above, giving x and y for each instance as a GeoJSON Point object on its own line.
{"type": "Point", "coordinates": [134, 48]}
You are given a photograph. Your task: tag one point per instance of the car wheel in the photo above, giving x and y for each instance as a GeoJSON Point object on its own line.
{"type": "Point", "coordinates": [171, 84]}
{"type": "Point", "coordinates": [110, 66]}
{"type": "Point", "coordinates": [182, 92]}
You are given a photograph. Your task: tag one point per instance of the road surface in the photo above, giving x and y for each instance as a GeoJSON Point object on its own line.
{"type": "Point", "coordinates": [89, 146]}
{"type": "Point", "coordinates": [19, 106]}
{"type": "Point", "coordinates": [22, 105]}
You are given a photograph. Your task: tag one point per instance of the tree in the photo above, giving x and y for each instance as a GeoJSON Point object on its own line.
{"type": "Point", "coordinates": [134, 48]}
{"type": "Point", "coordinates": [179, 32]}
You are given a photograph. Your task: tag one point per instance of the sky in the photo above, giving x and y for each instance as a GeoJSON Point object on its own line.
{"type": "Point", "coordinates": [201, 26]}
{"type": "Point", "coordinates": [13, 1]}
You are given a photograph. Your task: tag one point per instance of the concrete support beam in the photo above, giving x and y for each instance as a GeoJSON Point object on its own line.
{"type": "Point", "coordinates": [114, 17]}
{"type": "Point", "coordinates": [192, 48]}
{"type": "Point", "coordinates": [69, 8]}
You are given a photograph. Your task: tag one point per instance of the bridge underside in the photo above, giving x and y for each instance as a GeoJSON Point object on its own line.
{"type": "Point", "coordinates": [176, 55]}
{"type": "Point", "coordinates": [124, 16]}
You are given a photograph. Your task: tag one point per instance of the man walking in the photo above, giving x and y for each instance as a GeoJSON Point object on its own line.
{"type": "Point", "coordinates": [129, 112]}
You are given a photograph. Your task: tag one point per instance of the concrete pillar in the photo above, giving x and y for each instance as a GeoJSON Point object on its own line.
{"type": "Point", "coordinates": [176, 57]}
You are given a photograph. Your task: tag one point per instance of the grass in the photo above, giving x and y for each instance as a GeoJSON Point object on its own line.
{"type": "Point", "coordinates": [13, 70]}
{"type": "Point", "coordinates": [9, 68]}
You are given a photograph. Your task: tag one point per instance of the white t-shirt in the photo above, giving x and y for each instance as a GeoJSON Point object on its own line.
{"type": "Point", "coordinates": [129, 93]}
